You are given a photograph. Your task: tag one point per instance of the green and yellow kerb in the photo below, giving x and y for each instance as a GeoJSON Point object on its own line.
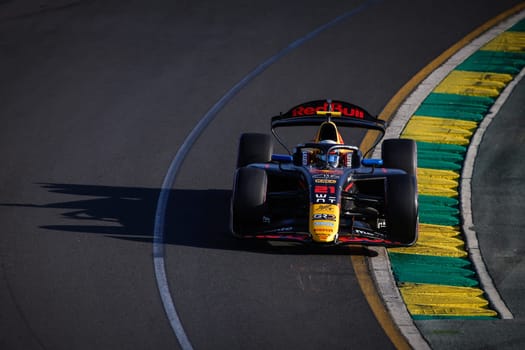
{"type": "Point", "coordinates": [435, 276]}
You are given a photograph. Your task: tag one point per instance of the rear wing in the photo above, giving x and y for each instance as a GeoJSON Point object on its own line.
{"type": "Point", "coordinates": [339, 112]}
{"type": "Point", "coordinates": [314, 113]}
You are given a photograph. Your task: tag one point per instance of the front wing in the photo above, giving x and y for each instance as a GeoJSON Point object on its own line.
{"type": "Point", "coordinates": [358, 237]}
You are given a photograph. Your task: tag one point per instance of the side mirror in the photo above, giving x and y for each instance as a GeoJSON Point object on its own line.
{"type": "Point", "coordinates": [282, 158]}
{"type": "Point", "coordinates": [372, 162]}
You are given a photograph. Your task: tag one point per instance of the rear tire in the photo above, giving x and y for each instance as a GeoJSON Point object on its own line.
{"type": "Point", "coordinates": [248, 200]}
{"type": "Point", "coordinates": [400, 154]}
{"type": "Point", "coordinates": [254, 148]}
{"type": "Point", "coordinates": [402, 208]}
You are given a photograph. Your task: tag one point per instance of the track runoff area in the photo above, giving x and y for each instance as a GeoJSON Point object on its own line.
{"type": "Point", "coordinates": [446, 108]}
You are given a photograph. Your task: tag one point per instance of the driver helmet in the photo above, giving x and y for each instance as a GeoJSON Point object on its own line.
{"type": "Point", "coordinates": [332, 159]}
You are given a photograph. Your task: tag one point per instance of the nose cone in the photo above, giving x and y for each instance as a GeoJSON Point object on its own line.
{"type": "Point", "coordinates": [324, 222]}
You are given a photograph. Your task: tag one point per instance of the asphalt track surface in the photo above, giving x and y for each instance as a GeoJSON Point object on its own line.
{"type": "Point", "coordinates": [96, 99]}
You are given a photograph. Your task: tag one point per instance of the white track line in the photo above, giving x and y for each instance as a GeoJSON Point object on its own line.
{"type": "Point", "coordinates": [466, 203]}
{"type": "Point", "coordinates": [380, 265]}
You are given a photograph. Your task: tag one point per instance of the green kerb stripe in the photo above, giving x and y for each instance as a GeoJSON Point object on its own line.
{"type": "Point", "coordinates": [440, 270]}
{"type": "Point", "coordinates": [459, 100]}
{"type": "Point", "coordinates": [451, 106]}
{"type": "Point", "coordinates": [438, 210]}
{"type": "Point", "coordinates": [518, 27]}
{"type": "Point", "coordinates": [494, 61]}
{"type": "Point", "coordinates": [440, 155]}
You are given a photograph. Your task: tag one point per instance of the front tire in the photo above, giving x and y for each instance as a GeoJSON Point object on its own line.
{"type": "Point", "coordinates": [400, 154]}
{"type": "Point", "coordinates": [402, 209]}
{"type": "Point", "coordinates": [248, 203]}
{"type": "Point", "coordinates": [254, 148]}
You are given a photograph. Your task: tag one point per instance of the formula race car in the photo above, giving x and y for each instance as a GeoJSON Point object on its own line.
{"type": "Point", "coordinates": [326, 191]}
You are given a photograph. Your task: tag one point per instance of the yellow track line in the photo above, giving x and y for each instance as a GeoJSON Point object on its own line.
{"type": "Point", "coordinates": [359, 262]}
{"type": "Point", "coordinates": [368, 287]}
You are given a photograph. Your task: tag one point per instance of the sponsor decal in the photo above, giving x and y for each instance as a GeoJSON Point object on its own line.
{"type": "Point", "coordinates": [320, 198]}
{"type": "Point", "coordinates": [374, 235]}
{"type": "Point", "coordinates": [345, 111]}
{"type": "Point", "coordinates": [326, 172]}
{"type": "Point", "coordinates": [330, 174]}
{"type": "Point", "coordinates": [320, 229]}
{"type": "Point", "coordinates": [324, 198]}
{"type": "Point", "coordinates": [323, 223]}
{"type": "Point", "coordinates": [330, 217]}
{"type": "Point", "coordinates": [322, 238]}
{"type": "Point", "coordinates": [324, 189]}
{"type": "Point", "coordinates": [325, 181]}
{"type": "Point", "coordinates": [349, 159]}
{"type": "Point", "coordinates": [306, 158]}
{"type": "Point", "coordinates": [324, 208]}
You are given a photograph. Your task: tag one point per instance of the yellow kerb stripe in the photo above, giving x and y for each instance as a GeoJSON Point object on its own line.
{"type": "Point", "coordinates": [436, 240]}
{"type": "Point", "coordinates": [441, 130]}
{"type": "Point", "coordinates": [474, 83]}
{"type": "Point", "coordinates": [436, 182]}
{"type": "Point", "coordinates": [438, 300]}
{"type": "Point", "coordinates": [508, 42]}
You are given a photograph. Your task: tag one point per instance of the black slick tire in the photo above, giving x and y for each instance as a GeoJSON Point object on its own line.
{"type": "Point", "coordinates": [254, 148]}
{"type": "Point", "coordinates": [400, 154]}
{"type": "Point", "coordinates": [248, 200]}
{"type": "Point", "coordinates": [402, 208]}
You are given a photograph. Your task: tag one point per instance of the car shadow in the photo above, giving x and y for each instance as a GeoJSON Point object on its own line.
{"type": "Point", "coordinates": [196, 218]}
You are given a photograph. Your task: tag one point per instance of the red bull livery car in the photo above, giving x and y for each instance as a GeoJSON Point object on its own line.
{"type": "Point", "coordinates": [326, 191]}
